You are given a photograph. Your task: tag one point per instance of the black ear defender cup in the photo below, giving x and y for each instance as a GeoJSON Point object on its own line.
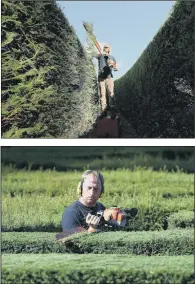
{"type": "Point", "coordinates": [85, 174]}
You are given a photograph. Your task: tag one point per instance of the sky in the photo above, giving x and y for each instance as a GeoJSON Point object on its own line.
{"type": "Point", "coordinates": [128, 26]}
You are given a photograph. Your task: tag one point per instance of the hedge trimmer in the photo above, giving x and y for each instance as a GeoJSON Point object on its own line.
{"type": "Point", "coordinates": [92, 37]}
{"type": "Point", "coordinates": [120, 216]}
{"type": "Point", "coordinates": [87, 27]}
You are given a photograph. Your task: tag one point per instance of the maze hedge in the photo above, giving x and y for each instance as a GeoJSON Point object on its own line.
{"type": "Point", "coordinates": [170, 242]}
{"type": "Point", "coordinates": [49, 84]}
{"type": "Point", "coordinates": [156, 94]}
{"type": "Point", "coordinates": [181, 219]}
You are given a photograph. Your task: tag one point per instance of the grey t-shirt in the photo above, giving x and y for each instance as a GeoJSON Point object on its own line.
{"type": "Point", "coordinates": [104, 70]}
{"type": "Point", "coordinates": [75, 215]}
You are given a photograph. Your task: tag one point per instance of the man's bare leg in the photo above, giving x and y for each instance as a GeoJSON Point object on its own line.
{"type": "Point", "coordinates": [103, 102]}
{"type": "Point", "coordinates": [110, 91]}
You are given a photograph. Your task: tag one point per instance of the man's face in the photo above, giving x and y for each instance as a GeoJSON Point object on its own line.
{"type": "Point", "coordinates": [106, 49]}
{"type": "Point", "coordinates": [91, 190]}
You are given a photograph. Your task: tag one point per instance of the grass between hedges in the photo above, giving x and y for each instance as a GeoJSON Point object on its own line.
{"type": "Point", "coordinates": [55, 268]}
{"type": "Point", "coordinates": [170, 242]}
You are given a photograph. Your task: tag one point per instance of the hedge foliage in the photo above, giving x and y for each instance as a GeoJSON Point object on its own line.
{"type": "Point", "coordinates": [181, 219]}
{"type": "Point", "coordinates": [156, 94]}
{"type": "Point", "coordinates": [148, 219]}
{"type": "Point", "coordinates": [36, 200]}
{"type": "Point", "coordinates": [170, 242]}
{"type": "Point", "coordinates": [97, 277]}
{"type": "Point", "coordinates": [97, 269]}
{"type": "Point", "coordinates": [49, 86]}
{"type": "Point", "coordinates": [80, 158]}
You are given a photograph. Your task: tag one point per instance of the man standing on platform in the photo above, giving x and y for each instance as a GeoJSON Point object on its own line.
{"type": "Point", "coordinates": [106, 64]}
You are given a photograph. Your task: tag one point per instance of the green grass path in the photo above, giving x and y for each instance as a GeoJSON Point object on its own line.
{"type": "Point", "coordinates": [70, 262]}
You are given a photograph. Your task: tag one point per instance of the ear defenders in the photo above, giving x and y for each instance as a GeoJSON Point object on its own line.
{"type": "Point", "coordinates": [85, 174]}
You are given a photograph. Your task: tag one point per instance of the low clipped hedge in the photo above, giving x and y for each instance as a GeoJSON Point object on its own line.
{"type": "Point", "coordinates": [151, 219]}
{"type": "Point", "coordinates": [181, 219]}
{"type": "Point", "coordinates": [97, 269]}
{"type": "Point", "coordinates": [148, 219]}
{"type": "Point", "coordinates": [170, 242]}
{"type": "Point", "coordinates": [31, 242]}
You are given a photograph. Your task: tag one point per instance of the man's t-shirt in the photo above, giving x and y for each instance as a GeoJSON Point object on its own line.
{"type": "Point", "coordinates": [104, 70]}
{"type": "Point", "coordinates": [75, 215]}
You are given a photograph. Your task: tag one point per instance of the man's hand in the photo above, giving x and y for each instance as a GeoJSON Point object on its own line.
{"type": "Point", "coordinates": [111, 63]}
{"type": "Point", "coordinates": [93, 222]}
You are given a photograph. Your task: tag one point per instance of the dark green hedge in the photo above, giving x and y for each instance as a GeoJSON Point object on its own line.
{"type": "Point", "coordinates": [170, 242]}
{"type": "Point", "coordinates": [71, 158]}
{"type": "Point", "coordinates": [156, 94]}
{"type": "Point", "coordinates": [48, 82]}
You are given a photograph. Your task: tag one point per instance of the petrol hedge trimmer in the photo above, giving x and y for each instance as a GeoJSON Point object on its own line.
{"type": "Point", "coordinates": [107, 216]}
{"type": "Point", "coordinates": [87, 27]}
{"type": "Point", "coordinates": [119, 216]}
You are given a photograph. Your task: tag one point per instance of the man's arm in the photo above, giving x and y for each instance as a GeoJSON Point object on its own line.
{"type": "Point", "coordinates": [71, 224]}
{"type": "Point", "coordinates": [96, 55]}
{"type": "Point", "coordinates": [69, 232]}
{"type": "Point", "coordinates": [113, 63]}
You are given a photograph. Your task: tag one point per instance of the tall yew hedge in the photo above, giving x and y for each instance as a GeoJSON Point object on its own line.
{"type": "Point", "coordinates": [49, 84]}
{"type": "Point", "coordinates": [156, 94]}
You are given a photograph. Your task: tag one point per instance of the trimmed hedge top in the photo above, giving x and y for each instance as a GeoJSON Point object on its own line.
{"type": "Point", "coordinates": [170, 242]}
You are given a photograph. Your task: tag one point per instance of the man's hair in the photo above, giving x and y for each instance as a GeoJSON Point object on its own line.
{"type": "Point", "coordinates": [107, 45]}
{"type": "Point", "coordinates": [97, 174]}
